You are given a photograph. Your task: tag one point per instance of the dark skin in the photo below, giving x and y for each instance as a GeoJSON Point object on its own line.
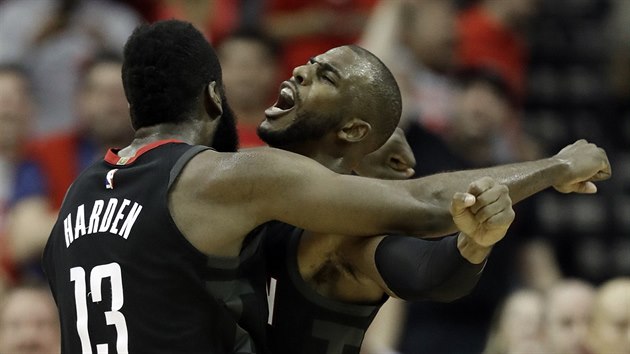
{"type": "Point", "coordinates": [343, 267]}
{"type": "Point", "coordinates": [205, 197]}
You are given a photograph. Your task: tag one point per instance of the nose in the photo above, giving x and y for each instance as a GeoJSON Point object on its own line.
{"type": "Point", "coordinates": [302, 74]}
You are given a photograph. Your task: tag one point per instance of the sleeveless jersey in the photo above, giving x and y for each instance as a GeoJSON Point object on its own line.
{"type": "Point", "coordinates": [240, 284]}
{"type": "Point", "coordinates": [123, 276]}
{"type": "Point", "coordinates": [301, 320]}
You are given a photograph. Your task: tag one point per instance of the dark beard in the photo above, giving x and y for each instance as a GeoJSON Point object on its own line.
{"type": "Point", "coordinates": [307, 127]}
{"type": "Point", "coordinates": [226, 137]}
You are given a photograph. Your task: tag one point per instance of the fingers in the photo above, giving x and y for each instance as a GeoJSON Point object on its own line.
{"type": "Point", "coordinates": [496, 215]}
{"type": "Point", "coordinates": [491, 199]}
{"type": "Point", "coordinates": [588, 188]}
{"type": "Point", "coordinates": [585, 188]}
{"type": "Point", "coordinates": [485, 212]}
{"type": "Point", "coordinates": [481, 185]}
{"type": "Point", "coordinates": [460, 202]}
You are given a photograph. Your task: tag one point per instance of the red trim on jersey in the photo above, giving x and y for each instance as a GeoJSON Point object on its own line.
{"type": "Point", "coordinates": [112, 157]}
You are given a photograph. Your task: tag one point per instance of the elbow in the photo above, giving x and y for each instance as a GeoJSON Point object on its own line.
{"type": "Point", "coordinates": [444, 293]}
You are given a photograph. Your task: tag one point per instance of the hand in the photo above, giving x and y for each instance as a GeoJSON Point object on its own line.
{"type": "Point", "coordinates": [586, 163]}
{"type": "Point", "coordinates": [484, 213]}
{"type": "Point", "coordinates": [393, 160]}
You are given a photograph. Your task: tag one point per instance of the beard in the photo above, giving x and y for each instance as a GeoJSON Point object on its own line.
{"type": "Point", "coordinates": [226, 137]}
{"type": "Point", "coordinates": [307, 126]}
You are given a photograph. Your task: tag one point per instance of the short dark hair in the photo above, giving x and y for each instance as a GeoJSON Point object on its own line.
{"type": "Point", "coordinates": [15, 69]}
{"type": "Point", "coordinates": [19, 71]}
{"type": "Point", "coordinates": [467, 76]}
{"type": "Point", "coordinates": [101, 57]}
{"type": "Point", "coordinates": [383, 97]}
{"type": "Point", "coordinates": [166, 66]}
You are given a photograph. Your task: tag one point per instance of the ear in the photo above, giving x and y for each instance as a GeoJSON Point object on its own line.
{"type": "Point", "coordinates": [354, 130]}
{"type": "Point", "coordinates": [212, 100]}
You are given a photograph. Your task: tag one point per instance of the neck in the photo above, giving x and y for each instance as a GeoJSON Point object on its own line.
{"type": "Point", "coordinates": [334, 159]}
{"type": "Point", "coordinates": [339, 165]}
{"type": "Point", "coordinates": [191, 132]}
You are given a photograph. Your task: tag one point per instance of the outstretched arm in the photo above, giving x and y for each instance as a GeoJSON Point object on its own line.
{"type": "Point", "coordinates": [444, 270]}
{"type": "Point", "coordinates": [234, 193]}
{"type": "Point", "coordinates": [572, 170]}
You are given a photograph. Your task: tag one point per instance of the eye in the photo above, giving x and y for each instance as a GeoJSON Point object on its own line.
{"type": "Point", "coordinates": [327, 78]}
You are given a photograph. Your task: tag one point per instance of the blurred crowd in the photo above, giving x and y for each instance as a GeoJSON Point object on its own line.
{"type": "Point", "coordinates": [484, 82]}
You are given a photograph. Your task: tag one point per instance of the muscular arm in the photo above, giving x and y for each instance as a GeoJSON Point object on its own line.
{"type": "Point", "coordinates": [571, 170]}
{"type": "Point", "coordinates": [415, 269]}
{"type": "Point", "coordinates": [234, 193]}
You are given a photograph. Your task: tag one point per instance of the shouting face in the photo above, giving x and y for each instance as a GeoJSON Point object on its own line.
{"type": "Point", "coordinates": [317, 98]}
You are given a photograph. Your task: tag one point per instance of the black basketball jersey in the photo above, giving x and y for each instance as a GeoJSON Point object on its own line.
{"type": "Point", "coordinates": [301, 320]}
{"type": "Point", "coordinates": [240, 284]}
{"type": "Point", "coordinates": [123, 276]}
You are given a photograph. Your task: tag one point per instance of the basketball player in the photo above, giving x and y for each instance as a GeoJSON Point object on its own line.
{"type": "Point", "coordinates": [143, 233]}
{"type": "Point", "coordinates": [326, 289]}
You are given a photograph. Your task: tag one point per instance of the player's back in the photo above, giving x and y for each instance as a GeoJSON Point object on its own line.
{"type": "Point", "coordinates": [124, 278]}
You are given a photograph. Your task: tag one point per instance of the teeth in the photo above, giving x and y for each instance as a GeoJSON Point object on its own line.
{"type": "Point", "coordinates": [287, 92]}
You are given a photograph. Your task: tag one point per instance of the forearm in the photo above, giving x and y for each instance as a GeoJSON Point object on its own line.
{"type": "Point", "coordinates": [415, 269]}
{"type": "Point", "coordinates": [523, 179]}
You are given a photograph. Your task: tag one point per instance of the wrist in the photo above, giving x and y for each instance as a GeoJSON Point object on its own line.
{"type": "Point", "coordinates": [559, 168]}
{"type": "Point", "coordinates": [470, 250]}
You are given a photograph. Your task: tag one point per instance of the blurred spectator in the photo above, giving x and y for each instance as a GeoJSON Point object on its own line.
{"type": "Point", "coordinates": [610, 329]}
{"type": "Point", "coordinates": [619, 33]}
{"type": "Point", "coordinates": [416, 39]}
{"type": "Point", "coordinates": [482, 107]}
{"type": "Point", "coordinates": [29, 322]}
{"type": "Point", "coordinates": [43, 178]}
{"type": "Point", "coordinates": [53, 39]}
{"type": "Point", "coordinates": [309, 27]}
{"type": "Point", "coordinates": [214, 18]}
{"type": "Point", "coordinates": [250, 62]}
{"type": "Point", "coordinates": [16, 113]}
{"type": "Point", "coordinates": [517, 325]}
{"type": "Point", "coordinates": [568, 311]}
{"type": "Point", "coordinates": [491, 35]}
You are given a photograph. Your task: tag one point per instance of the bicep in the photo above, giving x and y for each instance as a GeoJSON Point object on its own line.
{"type": "Point", "coordinates": [305, 194]}
{"type": "Point", "coordinates": [258, 186]}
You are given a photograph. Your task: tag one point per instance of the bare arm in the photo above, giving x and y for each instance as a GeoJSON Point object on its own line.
{"type": "Point", "coordinates": [219, 197]}
{"type": "Point", "coordinates": [234, 193]}
{"type": "Point", "coordinates": [572, 170]}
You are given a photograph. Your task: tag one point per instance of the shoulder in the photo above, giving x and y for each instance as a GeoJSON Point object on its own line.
{"type": "Point", "coordinates": [259, 165]}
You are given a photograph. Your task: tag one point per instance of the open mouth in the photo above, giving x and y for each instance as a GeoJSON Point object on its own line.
{"type": "Point", "coordinates": [285, 102]}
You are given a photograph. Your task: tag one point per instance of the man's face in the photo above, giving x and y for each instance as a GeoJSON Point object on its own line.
{"type": "Point", "coordinates": [103, 107]}
{"type": "Point", "coordinates": [611, 322]}
{"type": "Point", "coordinates": [568, 319]}
{"type": "Point", "coordinates": [480, 113]}
{"type": "Point", "coordinates": [315, 100]}
{"type": "Point", "coordinates": [431, 35]}
{"type": "Point", "coordinates": [15, 111]}
{"type": "Point", "coordinates": [249, 72]}
{"type": "Point", "coordinates": [29, 324]}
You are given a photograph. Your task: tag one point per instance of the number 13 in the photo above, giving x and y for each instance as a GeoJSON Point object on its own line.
{"type": "Point", "coordinates": [113, 317]}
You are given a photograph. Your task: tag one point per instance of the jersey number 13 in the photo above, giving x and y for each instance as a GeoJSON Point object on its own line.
{"type": "Point", "coordinates": [113, 317]}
